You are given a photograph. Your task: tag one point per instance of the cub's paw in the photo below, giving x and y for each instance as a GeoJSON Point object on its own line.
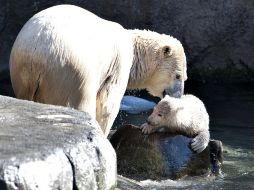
{"type": "Point", "coordinates": [200, 142]}
{"type": "Point", "coordinates": [147, 129]}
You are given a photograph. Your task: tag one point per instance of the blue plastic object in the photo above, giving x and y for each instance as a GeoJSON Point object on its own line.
{"type": "Point", "coordinates": [135, 105]}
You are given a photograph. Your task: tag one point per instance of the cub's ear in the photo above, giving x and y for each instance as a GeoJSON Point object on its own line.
{"type": "Point", "coordinates": [164, 107]}
{"type": "Point", "coordinates": [167, 51]}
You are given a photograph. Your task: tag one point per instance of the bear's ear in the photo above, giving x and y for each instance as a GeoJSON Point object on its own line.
{"type": "Point", "coordinates": [167, 51]}
{"type": "Point", "coordinates": [164, 107]}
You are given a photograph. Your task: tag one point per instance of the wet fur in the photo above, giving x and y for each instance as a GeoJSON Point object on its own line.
{"type": "Point", "coordinates": [187, 116]}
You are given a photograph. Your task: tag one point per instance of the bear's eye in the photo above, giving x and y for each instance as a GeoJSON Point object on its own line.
{"type": "Point", "coordinates": [178, 76]}
{"type": "Point", "coordinates": [159, 115]}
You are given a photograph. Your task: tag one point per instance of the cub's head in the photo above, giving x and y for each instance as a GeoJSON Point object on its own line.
{"type": "Point", "coordinates": [165, 111]}
{"type": "Point", "coordinates": [171, 71]}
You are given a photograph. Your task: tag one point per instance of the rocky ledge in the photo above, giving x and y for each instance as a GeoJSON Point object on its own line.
{"type": "Point", "coordinates": [51, 147]}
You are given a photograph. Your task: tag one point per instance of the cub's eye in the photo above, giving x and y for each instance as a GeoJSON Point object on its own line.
{"type": "Point", "coordinates": [159, 115]}
{"type": "Point", "coordinates": [178, 76]}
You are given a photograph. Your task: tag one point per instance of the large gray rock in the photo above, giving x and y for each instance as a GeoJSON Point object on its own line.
{"type": "Point", "coordinates": [217, 35]}
{"type": "Point", "coordinates": [50, 147]}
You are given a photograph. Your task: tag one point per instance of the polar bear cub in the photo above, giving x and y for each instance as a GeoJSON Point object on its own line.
{"type": "Point", "coordinates": [187, 116]}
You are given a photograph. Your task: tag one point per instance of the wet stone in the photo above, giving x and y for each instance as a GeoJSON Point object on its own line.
{"type": "Point", "coordinates": [52, 147]}
{"type": "Point", "coordinates": [161, 155]}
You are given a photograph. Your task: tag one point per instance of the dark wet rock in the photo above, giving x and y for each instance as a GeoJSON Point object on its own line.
{"type": "Point", "coordinates": [216, 156]}
{"type": "Point", "coordinates": [50, 147]}
{"type": "Point", "coordinates": [158, 155]}
{"type": "Point", "coordinates": [217, 35]}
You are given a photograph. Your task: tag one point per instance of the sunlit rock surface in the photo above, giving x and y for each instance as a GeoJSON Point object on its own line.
{"type": "Point", "coordinates": [158, 155]}
{"type": "Point", "coordinates": [50, 147]}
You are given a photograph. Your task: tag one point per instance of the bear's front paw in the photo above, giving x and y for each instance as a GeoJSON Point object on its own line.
{"type": "Point", "coordinates": [200, 142]}
{"type": "Point", "coordinates": [147, 129]}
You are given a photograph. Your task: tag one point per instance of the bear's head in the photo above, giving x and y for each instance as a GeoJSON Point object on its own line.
{"type": "Point", "coordinates": [159, 64]}
{"type": "Point", "coordinates": [170, 72]}
{"type": "Point", "coordinates": [165, 112]}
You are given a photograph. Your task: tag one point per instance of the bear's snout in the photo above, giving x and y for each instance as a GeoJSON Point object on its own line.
{"type": "Point", "coordinates": [148, 122]}
{"type": "Point", "coordinates": [151, 121]}
{"type": "Point", "coordinates": [176, 90]}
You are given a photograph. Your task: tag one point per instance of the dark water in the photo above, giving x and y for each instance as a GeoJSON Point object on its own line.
{"type": "Point", "coordinates": [231, 110]}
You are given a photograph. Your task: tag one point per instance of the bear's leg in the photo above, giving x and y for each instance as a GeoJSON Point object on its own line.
{"type": "Point", "coordinates": [112, 89]}
{"type": "Point", "coordinates": [24, 81]}
{"type": "Point", "coordinates": [109, 98]}
{"type": "Point", "coordinates": [200, 142]}
{"type": "Point", "coordinates": [68, 89]}
{"type": "Point", "coordinates": [85, 99]}
{"type": "Point", "coordinates": [108, 105]}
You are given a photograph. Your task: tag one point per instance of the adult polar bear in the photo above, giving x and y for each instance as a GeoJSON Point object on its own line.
{"type": "Point", "coordinates": [67, 56]}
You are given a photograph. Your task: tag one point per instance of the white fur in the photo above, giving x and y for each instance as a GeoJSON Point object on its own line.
{"type": "Point", "coordinates": [186, 116]}
{"type": "Point", "coordinates": [68, 56]}
{"type": "Point", "coordinates": [151, 70]}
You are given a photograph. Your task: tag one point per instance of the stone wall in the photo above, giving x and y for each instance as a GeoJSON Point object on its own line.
{"type": "Point", "coordinates": [217, 35]}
